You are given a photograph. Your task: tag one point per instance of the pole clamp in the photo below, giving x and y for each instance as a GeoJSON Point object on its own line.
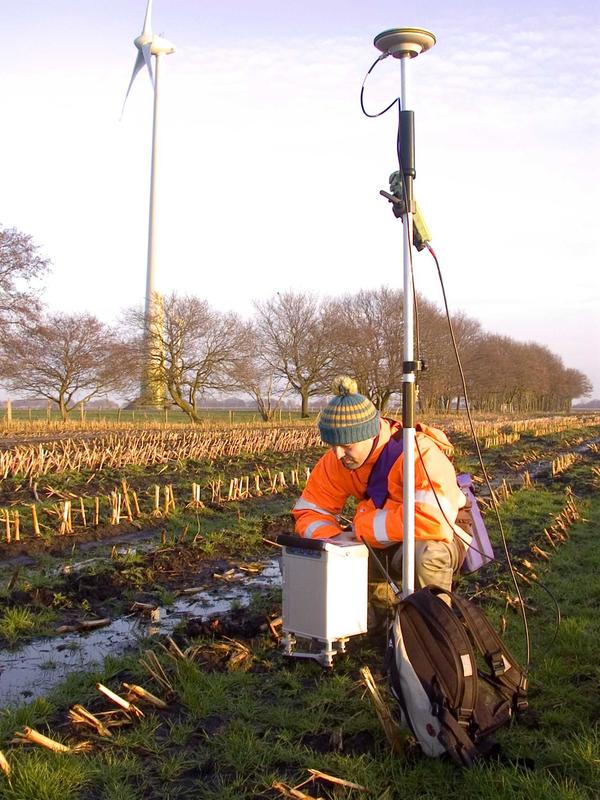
{"type": "Point", "coordinates": [414, 366]}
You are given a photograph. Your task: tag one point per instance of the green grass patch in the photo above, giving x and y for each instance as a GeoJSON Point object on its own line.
{"type": "Point", "coordinates": [48, 776]}
{"type": "Point", "coordinates": [18, 623]}
{"type": "Point", "coordinates": [525, 514]}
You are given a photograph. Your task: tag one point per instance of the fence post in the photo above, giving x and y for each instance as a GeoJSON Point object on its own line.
{"type": "Point", "coordinates": [9, 411]}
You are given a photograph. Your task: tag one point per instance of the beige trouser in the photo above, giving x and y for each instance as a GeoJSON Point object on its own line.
{"type": "Point", "coordinates": [435, 562]}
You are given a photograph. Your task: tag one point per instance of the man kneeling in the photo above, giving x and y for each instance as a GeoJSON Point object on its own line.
{"type": "Point", "coordinates": [366, 462]}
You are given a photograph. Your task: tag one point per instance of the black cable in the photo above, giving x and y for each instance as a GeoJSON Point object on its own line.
{"type": "Point", "coordinates": [403, 182]}
{"type": "Point", "coordinates": [362, 91]}
{"type": "Point", "coordinates": [464, 385]}
{"type": "Point", "coordinates": [404, 191]}
{"type": "Point", "coordinates": [480, 458]}
{"type": "Point", "coordinates": [417, 342]}
{"type": "Point", "coordinates": [384, 570]}
{"type": "Point", "coordinates": [437, 500]}
{"type": "Point", "coordinates": [472, 546]}
{"type": "Point", "coordinates": [538, 582]}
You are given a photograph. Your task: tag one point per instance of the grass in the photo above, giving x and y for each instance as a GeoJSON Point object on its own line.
{"type": "Point", "coordinates": [18, 623]}
{"type": "Point", "coordinates": [525, 514]}
{"type": "Point", "coordinates": [34, 714]}
{"type": "Point", "coordinates": [235, 733]}
{"type": "Point", "coordinates": [47, 776]}
{"type": "Point", "coordinates": [231, 734]}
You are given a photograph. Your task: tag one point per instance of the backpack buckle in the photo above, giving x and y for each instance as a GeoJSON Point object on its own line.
{"type": "Point", "coordinates": [497, 663]}
{"type": "Point", "coordinates": [522, 704]}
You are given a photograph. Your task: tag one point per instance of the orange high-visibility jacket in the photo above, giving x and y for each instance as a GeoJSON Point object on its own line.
{"type": "Point", "coordinates": [331, 484]}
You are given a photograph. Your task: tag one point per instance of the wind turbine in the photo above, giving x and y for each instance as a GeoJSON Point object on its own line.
{"type": "Point", "coordinates": [148, 45]}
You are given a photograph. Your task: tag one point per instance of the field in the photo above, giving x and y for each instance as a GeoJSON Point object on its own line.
{"type": "Point", "coordinates": [142, 555]}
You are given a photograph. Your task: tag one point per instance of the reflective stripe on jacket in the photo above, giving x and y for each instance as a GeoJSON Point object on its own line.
{"type": "Point", "coordinates": [331, 484]}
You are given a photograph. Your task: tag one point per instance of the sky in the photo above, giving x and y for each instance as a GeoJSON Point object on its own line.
{"type": "Point", "coordinates": [269, 173]}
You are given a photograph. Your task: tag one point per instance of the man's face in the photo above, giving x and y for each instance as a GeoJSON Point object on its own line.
{"type": "Point", "coordinates": [354, 455]}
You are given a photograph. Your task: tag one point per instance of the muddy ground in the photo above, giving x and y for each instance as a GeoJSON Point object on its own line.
{"type": "Point", "coordinates": [103, 576]}
{"type": "Point", "coordinates": [170, 553]}
{"type": "Point", "coordinates": [101, 572]}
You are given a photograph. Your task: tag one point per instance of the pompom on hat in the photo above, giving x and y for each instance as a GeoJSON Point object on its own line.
{"type": "Point", "coordinates": [349, 417]}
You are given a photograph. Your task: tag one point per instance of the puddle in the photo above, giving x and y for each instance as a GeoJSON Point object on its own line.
{"type": "Point", "coordinates": [33, 670]}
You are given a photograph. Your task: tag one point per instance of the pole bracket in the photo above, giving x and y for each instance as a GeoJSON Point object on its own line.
{"type": "Point", "coordinates": [414, 366]}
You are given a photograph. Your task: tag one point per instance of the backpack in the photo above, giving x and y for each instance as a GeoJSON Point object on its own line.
{"type": "Point", "coordinates": [451, 699]}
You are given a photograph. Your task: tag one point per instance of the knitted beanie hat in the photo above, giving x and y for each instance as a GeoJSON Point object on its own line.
{"type": "Point", "coordinates": [350, 417]}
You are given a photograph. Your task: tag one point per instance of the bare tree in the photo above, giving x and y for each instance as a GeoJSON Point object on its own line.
{"type": "Point", "coordinates": [20, 263]}
{"type": "Point", "coordinates": [67, 358]}
{"type": "Point", "coordinates": [254, 375]}
{"type": "Point", "coordinates": [194, 349]}
{"type": "Point", "coordinates": [296, 329]}
{"type": "Point", "coordinates": [368, 328]}
{"type": "Point", "coordinates": [506, 375]}
{"type": "Point", "coordinates": [440, 384]}
{"type": "Point", "coordinates": [573, 384]}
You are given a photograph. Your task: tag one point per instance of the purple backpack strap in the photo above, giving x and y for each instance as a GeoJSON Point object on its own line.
{"type": "Point", "coordinates": [377, 485]}
{"type": "Point", "coordinates": [481, 552]}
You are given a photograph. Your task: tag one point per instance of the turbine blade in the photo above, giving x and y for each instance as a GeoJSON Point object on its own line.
{"type": "Point", "coordinates": [147, 56]}
{"type": "Point", "coordinates": [148, 19]}
{"type": "Point", "coordinates": [139, 63]}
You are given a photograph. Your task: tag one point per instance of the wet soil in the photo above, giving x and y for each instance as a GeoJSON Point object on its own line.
{"type": "Point", "coordinates": [95, 583]}
{"type": "Point", "coordinates": [103, 584]}
{"type": "Point", "coordinates": [216, 610]}
{"type": "Point", "coordinates": [27, 552]}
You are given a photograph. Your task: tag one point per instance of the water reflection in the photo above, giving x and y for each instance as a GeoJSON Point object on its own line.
{"type": "Point", "coordinates": [33, 670]}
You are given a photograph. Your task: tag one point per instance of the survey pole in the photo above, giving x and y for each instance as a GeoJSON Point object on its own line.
{"type": "Point", "coordinates": [405, 44]}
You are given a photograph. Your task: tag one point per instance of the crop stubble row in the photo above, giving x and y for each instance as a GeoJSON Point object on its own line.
{"type": "Point", "coordinates": [144, 448]}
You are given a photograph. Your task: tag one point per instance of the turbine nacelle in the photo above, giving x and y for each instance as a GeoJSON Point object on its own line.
{"type": "Point", "coordinates": [156, 45]}
{"type": "Point", "coordinates": [148, 45]}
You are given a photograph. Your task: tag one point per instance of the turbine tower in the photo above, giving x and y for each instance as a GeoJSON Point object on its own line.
{"type": "Point", "coordinates": [148, 45]}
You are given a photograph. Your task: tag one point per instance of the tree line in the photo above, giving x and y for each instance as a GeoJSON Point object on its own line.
{"type": "Point", "coordinates": [294, 344]}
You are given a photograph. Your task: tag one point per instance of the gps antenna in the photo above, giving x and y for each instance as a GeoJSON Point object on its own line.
{"type": "Point", "coordinates": [405, 44]}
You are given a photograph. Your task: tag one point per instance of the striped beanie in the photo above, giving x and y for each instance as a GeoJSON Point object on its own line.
{"type": "Point", "coordinates": [350, 417]}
